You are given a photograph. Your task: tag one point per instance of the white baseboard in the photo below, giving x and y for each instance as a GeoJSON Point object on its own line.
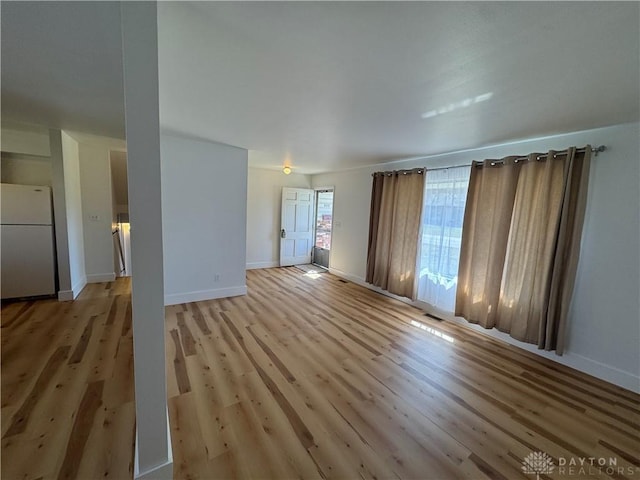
{"type": "Point", "coordinates": [68, 295]}
{"type": "Point", "coordinates": [578, 362]}
{"type": "Point", "coordinates": [256, 265]}
{"type": "Point", "coordinates": [610, 374]}
{"type": "Point", "coordinates": [164, 471]}
{"type": "Point", "coordinates": [161, 472]}
{"type": "Point", "coordinates": [583, 364]}
{"type": "Point", "coordinates": [101, 277]}
{"type": "Point", "coordinates": [351, 278]}
{"type": "Point", "coordinates": [360, 281]}
{"type": "Point", "coordinates": [65, 295]}
{"type": "Point", "coordinates": [200, 295]}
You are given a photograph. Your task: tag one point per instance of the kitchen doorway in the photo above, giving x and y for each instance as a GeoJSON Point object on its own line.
{"type": "Point", "coordinates": [323, 227]}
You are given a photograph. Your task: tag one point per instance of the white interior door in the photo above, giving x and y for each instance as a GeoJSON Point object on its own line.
{"type": "Point", "coordinates": [296, 227]}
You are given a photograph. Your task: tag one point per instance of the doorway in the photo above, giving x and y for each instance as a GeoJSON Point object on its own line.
{"type": "Point", "coordinates": [120, 228]}
{"type": "Point", "coordinates": [323, 227]}
{"type": "Point", "coordinates": [296, 232]}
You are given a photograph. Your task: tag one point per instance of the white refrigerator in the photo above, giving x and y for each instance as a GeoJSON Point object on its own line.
{"type": "Point", "coordinates": [27, 241]}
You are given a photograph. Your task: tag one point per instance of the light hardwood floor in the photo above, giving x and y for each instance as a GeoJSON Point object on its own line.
{"type": "Point", "coordinates": [302, 378]}
{"type": "Point", "coordinates": [67, 386]}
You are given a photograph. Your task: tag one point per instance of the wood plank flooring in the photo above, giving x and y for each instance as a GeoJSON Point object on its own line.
{"type": "Point", "coordinates": [67, 386]}
{"type": "Point", "coordinates": [317, 378]}
{"type": "Point", "coordinates": [302, 378]}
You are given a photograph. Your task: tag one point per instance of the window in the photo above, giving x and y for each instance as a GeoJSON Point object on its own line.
{"type": "Point", "coordinates": [442, 215]}
{"type": "Point", "coordinates": [324, 212]}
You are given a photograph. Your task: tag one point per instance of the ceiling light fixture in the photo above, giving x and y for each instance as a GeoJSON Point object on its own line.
{"type": "Point", "coordinates": [286, 170]}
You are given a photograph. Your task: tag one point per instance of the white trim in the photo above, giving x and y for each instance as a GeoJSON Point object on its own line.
{"type": "Point", "coordinates": [578, 362]}
{"type": "Point", "coordinates": [360, 281]}
{"type": "Point", "coordinates": [256, 265]}
{"type": "Point", "coordinates": [606, 372]}
{"type": "Point", "coordinates": [65, 295]}
{"type": "Point", "coordinates": [163, 471]}
{"type": "Point", "coordinates": [79, 286]}
{"type": "Point", "coordinates": [101, 277]}
{"type": "Point", "coordinates": [324, 188]}
{"type": "Point", "coordinates": [69, 295]}
{"type": "Point", "coordinates": [315, 224]}
{"type": "Point", "coordinates": [353, 278]}
{"type": "Point", "coordinates": [198, 296]}
{"type": "Point", "coordinates": [574, 360]}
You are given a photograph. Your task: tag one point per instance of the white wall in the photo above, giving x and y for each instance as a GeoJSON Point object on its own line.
{"type": "Point", "coordinates": [95, 178]}
{"type": "Point", "coordinates": [97, 204]}
{"type": "Point", "coordinates": [83, 186]}
{"type": "Point", "coordinates": [204, 212]}
{"type": "Point", "coordinates": [26, 139]}
{"type": "Point", "coordinates": [73, 207]}
{"type": "Point", "coordinates": [264, 199]}
{"type": "Point", "coordinates": [351, 202]}
{"type": "Point", "coordinates": [25, 169]}
{"type": "Point", "coordinates": [604, 331]}
{"type": "Point", "coordinates": [139, 23]}
{"type": "Point", "coordinates": [65, 291]}
{"type": "Point", "coordinates": [39, 156]}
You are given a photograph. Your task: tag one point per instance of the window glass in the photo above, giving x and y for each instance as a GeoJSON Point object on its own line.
{"type": "Point", "coordinates": [443, 212]}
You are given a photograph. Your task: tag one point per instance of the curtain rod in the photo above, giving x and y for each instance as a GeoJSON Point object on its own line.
{"type": "Point", "coordinates": [596, 150]}
{"type": "Point", "coordinates": [419, 171]}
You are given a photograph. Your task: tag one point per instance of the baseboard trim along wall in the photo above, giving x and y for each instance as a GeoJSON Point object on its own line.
{"type": "Point", "coordinates": [162, 472]}
{"type": "Point", "coordinates": [579, 362]}
{"type": "Point", "coordinates": [65, 295]}
{"type": "Point", "coordinates": [101, 277]}
{"type": "Point", "coordinates": [68, 295]}
{"type": "Point", "coordinates": [201, 295]}
{"type": "Point", "coordinates": [586, 365]}
{"type": "Point", "coordinates": [257, 265]}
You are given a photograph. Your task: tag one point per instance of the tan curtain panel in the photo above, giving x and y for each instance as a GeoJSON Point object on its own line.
{"type": "Point", "coordinates": [394, 227]}
{"type": "Point", "coordinates": [520, 244]}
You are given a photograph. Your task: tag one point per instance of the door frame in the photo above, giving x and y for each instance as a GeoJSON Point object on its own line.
{"type": "Point", "coordinates": [315, 220]}
{"type": "Point", "coordinates": [286, 261]}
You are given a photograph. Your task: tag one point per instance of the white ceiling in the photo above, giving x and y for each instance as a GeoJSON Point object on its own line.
{"type": "Point", "coordinates": [334, 85]}
{"type": "Point", "coordinates": [62, 65]}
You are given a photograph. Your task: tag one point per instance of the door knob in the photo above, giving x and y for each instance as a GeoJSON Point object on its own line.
{"type": "Point", "coordinates": [283, 233]}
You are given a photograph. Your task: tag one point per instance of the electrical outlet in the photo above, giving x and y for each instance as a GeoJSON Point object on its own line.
{"type": "Point", "coordinates": [94, 218]}
{"type": "Point", "coordinates": [216, 278]}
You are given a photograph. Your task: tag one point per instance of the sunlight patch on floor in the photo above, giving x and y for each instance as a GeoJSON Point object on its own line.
{"type": "Point", "coordinates": [312, 274]}
{"type": "Point", "coordinates": [432, 331]}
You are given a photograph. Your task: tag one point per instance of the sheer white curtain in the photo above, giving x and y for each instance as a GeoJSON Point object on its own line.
{"type": "Point", "coordinates": [442, 215]}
